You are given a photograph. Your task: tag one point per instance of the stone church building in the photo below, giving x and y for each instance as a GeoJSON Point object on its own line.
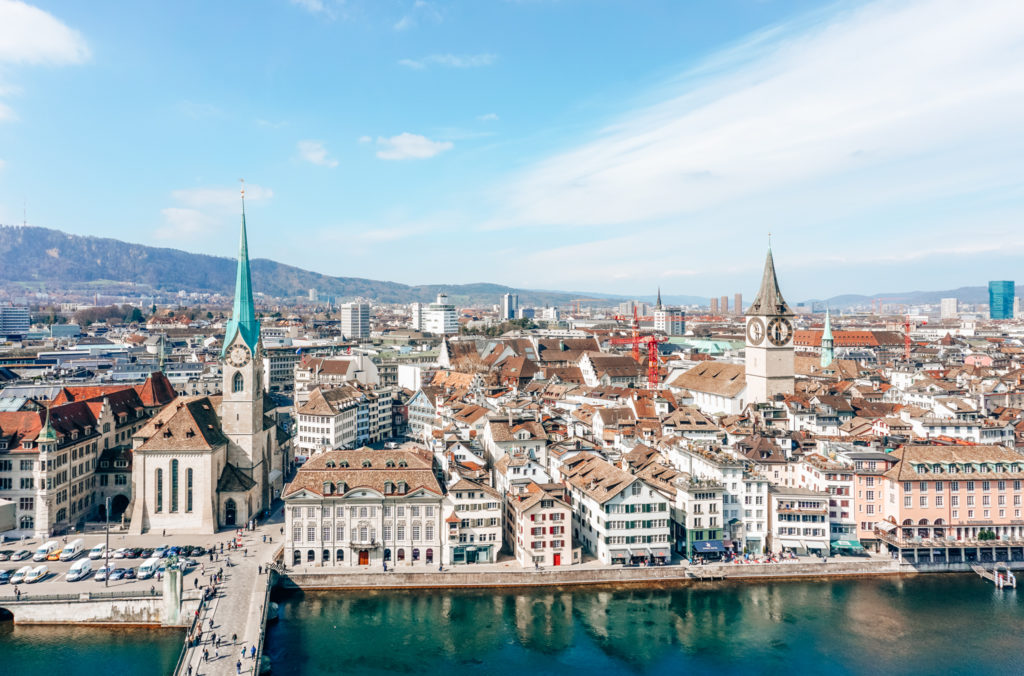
{"type": "Point", "coordinates": [211, 462]}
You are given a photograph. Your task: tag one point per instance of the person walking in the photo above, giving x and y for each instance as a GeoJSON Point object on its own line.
{"type": "Point", "coordinates": [259, 570]}
{"type": "Point", "coordinates": [252, 654]}
{"type": "Point", "coordinates": [243, 651]}
{"type": "Point", "coordinates": [234, 638]}
{"type": "Point", "coordinates": [206, 654]}
{"type": "Point", "coordinates": [238, 667]}
{"type": "Point", "coordinates": [211, 623]}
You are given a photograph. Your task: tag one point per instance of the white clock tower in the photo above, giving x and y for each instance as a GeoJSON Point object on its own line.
{"type": "Point", "coordinates": [769, 351]}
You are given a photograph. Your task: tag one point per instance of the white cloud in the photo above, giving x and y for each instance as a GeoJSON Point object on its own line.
{"type": "Point", "coordinates": [314, 152]}
{"type": "Point", "coordinates": [409, 146]}
{"type": "Point", "coordinates": [30, 35]}
{"type": "Point", "coordinates": [180, 222]}
{"type": "Point", "coordinates": [890, 104]}
{"type": "Point", "coordinates": [205, 210]}
{"type": "Point", "coordinates": [450, 61]}
{"type": "Point", "coordinates": [489, 117]}
{"type": "Point", "coordinates": [420, 9]}
{"type": "Point", "coordinates": [314, 6]}
{"type": "Point", "coordinates": [271, 124]}
{"type": "Point", "coordinates": [221, 198]}
{"type": "Point", "coordinates": [365, 139]}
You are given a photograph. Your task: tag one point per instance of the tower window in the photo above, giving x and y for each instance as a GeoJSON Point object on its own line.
{"type": "Point", "coordinates": [238, 383]}
{"type": "Point", "coordinates": [159, 490]}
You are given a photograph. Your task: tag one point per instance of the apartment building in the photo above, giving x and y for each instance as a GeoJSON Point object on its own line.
{"type": "Point", "coordinates": [49, 456]}
{"type": "Point", "coordinates": [355, 320]}
{"type": "Point", "coordinates": [616, 516]}
{"type": "Point", "coordinates": [341, 417]}
{"type": "Point", "coordinates": [473, 523]}
{"type": "Point", "coordinates": [798, 520]}
{"type": "Point", "coordinates": [538, 520]}
{"type": "Point", "coordinates": [313, 372]}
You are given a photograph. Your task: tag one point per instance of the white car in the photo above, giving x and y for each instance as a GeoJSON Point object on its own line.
{"type": "Point", "coordinates": [36, 574]}
{"type": "Point", "coordinates": [19, 575]}
{"type": "Point", "coordinates": [98, 551]}
{"type": "Point", "coordinates": [119, 553]}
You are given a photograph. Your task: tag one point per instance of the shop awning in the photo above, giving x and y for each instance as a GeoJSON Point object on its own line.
{"type": "Point", "coordinates": [619, 553]}
{"type": "Point", "coordinates": [708, 546]}
{"type": "Point", "coordinates": [727, 543]}
{"type": "Point", "coordinates": [659, 552]}
{"type": "Point", "coordinates": [847, 544]}
{"type": "Point", "coordinates": [885, 526]}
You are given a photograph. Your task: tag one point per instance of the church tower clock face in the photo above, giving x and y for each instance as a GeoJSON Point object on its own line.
{"type": "Point", "coordinates": [779, 331]}
{"type": "Point", "coordinates": [755, 331]}
{"type": "Point", "coordinates": [238, 356]}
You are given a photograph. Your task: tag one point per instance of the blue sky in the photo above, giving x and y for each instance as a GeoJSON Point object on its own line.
{"type": "Point", "coordinates": [564, 144]}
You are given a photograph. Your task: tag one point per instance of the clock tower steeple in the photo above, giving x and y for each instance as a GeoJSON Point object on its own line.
{"type": "Point", "coordinates": [769, 348]}
{"type": "Point", "coordinates": [242, 385]}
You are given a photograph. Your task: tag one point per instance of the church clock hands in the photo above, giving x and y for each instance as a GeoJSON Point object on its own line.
{"type": "Point", "coordinates": [780, 330]}
{"type": "Point", "coordinates": [238, 356]}
{"type": "Point", "coordinates": [755, 331]}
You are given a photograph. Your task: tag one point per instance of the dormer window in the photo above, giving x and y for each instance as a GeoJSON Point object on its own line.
{"type": "Point", "coordinates": [367, 463]}
{"type": "Point", "coordinates": [343, 463]}
{"type": "Point", "coordinates": [403, 487]}
{"type": "Point", "coordinates": [389, 463]}
{"type": "Point", "coordinates": [74, 434]}
{"type": "Point", "coordinates": [403, 463]}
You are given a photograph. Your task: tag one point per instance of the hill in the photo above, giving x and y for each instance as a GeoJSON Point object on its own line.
{"type": "Point", "coordinates": [45, 257]}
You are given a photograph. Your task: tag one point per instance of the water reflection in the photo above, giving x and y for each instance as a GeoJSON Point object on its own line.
{"type": "Point", "coordinates": [917, 625]}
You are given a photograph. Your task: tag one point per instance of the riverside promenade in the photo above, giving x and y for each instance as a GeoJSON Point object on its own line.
{"type": "Point", "coordinates": [511, 574]}
{"type": "Point", "coordinates": [239, 607]}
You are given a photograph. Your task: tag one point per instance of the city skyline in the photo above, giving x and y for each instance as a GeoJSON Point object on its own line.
{"type": "Point", "coordinates": [437, 143]}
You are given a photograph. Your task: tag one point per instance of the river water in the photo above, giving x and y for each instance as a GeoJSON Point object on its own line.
{"type": "Point", "coordinates": [921, 625]}
{"type": "Point", "coordinates": [87, 651]}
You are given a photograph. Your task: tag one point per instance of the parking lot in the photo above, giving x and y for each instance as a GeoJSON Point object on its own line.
{"type": "Point", "coordinates": [55, 582]}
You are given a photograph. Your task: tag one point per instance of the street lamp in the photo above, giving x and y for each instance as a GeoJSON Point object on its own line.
{"type": "Point", "coordinates": [106, 554]}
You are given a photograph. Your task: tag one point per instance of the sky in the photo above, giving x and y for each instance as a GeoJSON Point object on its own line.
{"type": "Point", "coordinates": [581, 145]}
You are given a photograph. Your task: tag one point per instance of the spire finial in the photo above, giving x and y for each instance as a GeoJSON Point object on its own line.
{"type": "Point", "coordinates": [769, 240]}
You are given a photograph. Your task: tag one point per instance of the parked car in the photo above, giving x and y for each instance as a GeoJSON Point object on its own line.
{"type": "Point", "coordinates": [161, 551]}
{"type": "Point", "coordinates": [19, 575]}
{"type": "Point", "coordinates": [129, 573]}
{"type": "Point", "coordinates": [98, 551]}
{"type": "Point", "coordinates": [45, 550]}
{"type": "Point", "coordinates": [117, 574]}
{"type": "Point", "coordinates": [21, 555]}
{"type": "Point", "coordinates": [72, 550]}
{"type": "Point", "coordinates": [102, 572]}
{"type": "Point", "coordinates": [119, 553]}
{"type": "Point", "coordinates": [146, 553]}
{"type": "Point", "coordinates": [5, 575]}
{"type": "Point", "coordinates": [37, 574]}
{"type": "Point", "coordinates": [5, 554]}
{"type": "Point", "coordinates": [133, 553]}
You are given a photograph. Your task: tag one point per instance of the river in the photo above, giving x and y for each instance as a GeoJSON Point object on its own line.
{"type": "Point", "coordinates": [920, 625]}
{"type": "Point", "coordinates": [916, 625]}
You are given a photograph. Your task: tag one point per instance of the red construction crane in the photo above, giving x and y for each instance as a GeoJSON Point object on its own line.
{"type": "Point", "coordinates": [652, 354]}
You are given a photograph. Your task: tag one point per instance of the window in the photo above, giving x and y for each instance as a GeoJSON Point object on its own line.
{"type": "Point", "coordinates": [238, 382]}
{"type": "Point", "coordinates": [159, 490]}
{"type": "Point", "coordinates": [327, 533]}
{"type": "Point", "coordinates": [924, 500]}
{"type": "Point", "coordinates": [174, 485]}
{"type": "Point", "coordinates": [938, 501]}
{"type": "Point", "coordinates": [188, 489]}
{"type": "Point", "coordinates": [310, 533]}
{"type": "Point", "coordinates": [27, 522]}
{"type": "Point", "coordinates": [297, 533]}
{"type": "Point", "coordinates": [907, 501]}
{"type": "Point", "coordinates": [415, 532]}
{"type": "Point", "coordinates": [429, 531]}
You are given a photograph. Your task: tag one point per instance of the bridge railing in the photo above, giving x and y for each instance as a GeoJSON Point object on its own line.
{"type": "Point", "coordinates": [29, 597]}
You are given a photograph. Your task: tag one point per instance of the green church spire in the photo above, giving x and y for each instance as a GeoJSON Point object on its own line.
{"type": "Point", "coordinates": [827, 349]}
{"type": "Point", "coordinates": [243, 313]}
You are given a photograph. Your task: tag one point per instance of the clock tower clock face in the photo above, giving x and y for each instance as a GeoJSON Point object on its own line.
{"type": "Point", "coordinates": [238, 356]}
{"type": "Point", "coordinates": [780, 330]}
{"type": "Point", "coordinates": [755, 331]}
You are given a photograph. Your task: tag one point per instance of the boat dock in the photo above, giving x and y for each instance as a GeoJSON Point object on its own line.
{"type": "Point", "coordinates": [1000, 575]}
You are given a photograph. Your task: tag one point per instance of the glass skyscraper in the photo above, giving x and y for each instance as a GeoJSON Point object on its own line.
{"type": "Point", "coordinates": [1000, 300]}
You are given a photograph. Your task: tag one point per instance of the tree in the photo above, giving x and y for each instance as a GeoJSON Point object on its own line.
{"type": "Point", "coordinates": [152, 310]}
{"type": "Point", "coordinates": [135, 316]}
{"type": "Point", "coordinates": [209, 315]}
{"type": "Point", "coordinates": [986, 535]}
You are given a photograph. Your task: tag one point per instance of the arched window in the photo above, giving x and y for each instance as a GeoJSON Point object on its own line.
{"type": "Point", "coordinates": [174, 485]}
{"type": "Point", "coordinates": [238, 382]}
{"type": "Point", "coordinates": [311, 556]}
{"type": "Point", "coordinates": [340, 555]}
{"type": "Point", "coordinates": [296, 557]}
{"type": "Point", "coordinates": [188, 489]}
{"type": "Point", "coordinates": [159, 490]}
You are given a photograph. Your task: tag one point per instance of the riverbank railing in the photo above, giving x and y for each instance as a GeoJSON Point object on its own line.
{"type": "Point", "coordinates": [27, 597]}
